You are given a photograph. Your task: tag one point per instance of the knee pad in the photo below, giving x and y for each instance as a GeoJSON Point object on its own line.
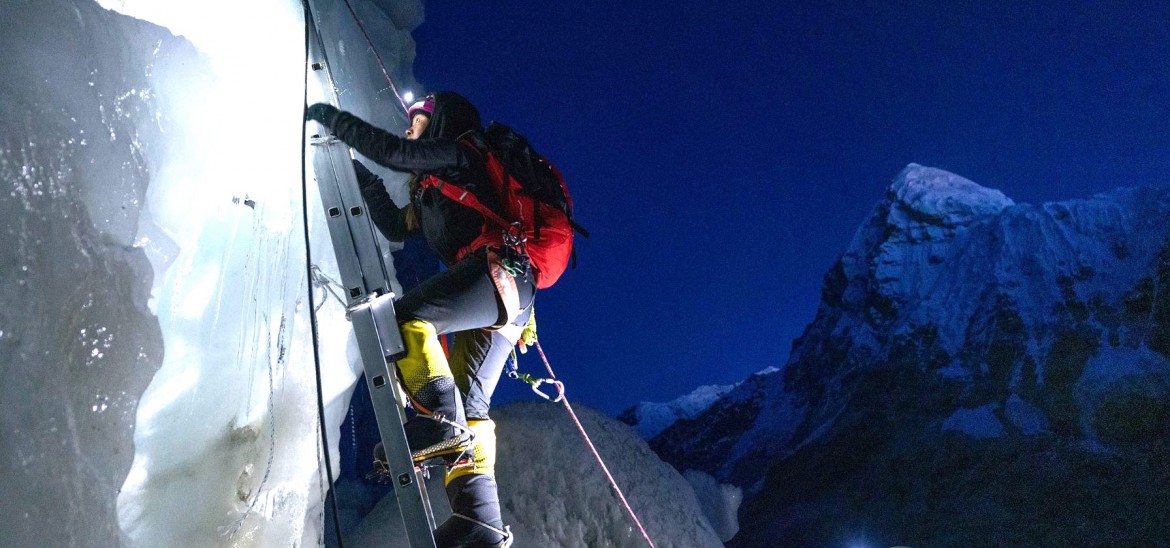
{"type": "Point", "coordinates": [484, 451]}
{"type": "Point", "coordinates": [424, 361]}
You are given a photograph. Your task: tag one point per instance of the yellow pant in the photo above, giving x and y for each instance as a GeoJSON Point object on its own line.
{"type": "Point", "coordinates": [424, 367]}
{"type": "Point", "coordinates": [424, 364]}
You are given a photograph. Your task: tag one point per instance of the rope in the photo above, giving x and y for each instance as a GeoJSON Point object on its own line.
{"type": "Point", "coordinates": [320, 279]}
{"type": "Point", "coordinates": [231, 530]}
{"type": "Point", "coordinates": [597, 455]}
{"type": "Point", "coordinates": [506, 532]}
{"type": "Point", "coordinates": [309, 273]}
{"type": "Point", "coordinates": [374, 50]}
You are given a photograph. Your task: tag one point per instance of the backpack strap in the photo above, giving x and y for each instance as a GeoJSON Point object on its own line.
{"type": "Point", "coordinates": [580, 229]}
{"type": "Point", "coordinates": [465, 197]}
{"type": "Point", "coordinates": [474, 141]}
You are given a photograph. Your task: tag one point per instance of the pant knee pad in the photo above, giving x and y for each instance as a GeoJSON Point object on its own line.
{"type": "Point", "coordinates": [425, 361]}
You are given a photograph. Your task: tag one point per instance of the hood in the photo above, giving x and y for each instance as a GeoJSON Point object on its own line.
{"type": "Point", "coordinates": [454, 115]}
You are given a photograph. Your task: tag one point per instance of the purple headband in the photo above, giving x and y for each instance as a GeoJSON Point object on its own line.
{"type": "Point", "coordinates": [426, 105]}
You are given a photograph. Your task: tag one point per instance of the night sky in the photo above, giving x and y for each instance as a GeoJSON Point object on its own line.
{"type": "Point", "coordinates": [723, 157]}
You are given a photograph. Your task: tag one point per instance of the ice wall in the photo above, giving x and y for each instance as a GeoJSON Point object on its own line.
{"type": "Point", "coordinates": [154, 340]}
{"type": "Point", "coordinates": [77, 342]}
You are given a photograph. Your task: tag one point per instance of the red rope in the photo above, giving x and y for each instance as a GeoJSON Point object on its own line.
{"type": "Point", "coordinates": [393, 88]}
{"type": "Point", "coordinates": [589, 442]}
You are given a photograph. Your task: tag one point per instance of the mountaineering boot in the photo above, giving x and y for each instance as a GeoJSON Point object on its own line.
{"type": "Point", "coordinates": [429, 439]}
{"type": "Point", "coordinates": [475, 520]}
{"type": "Point", "coordinates": [440, 427]}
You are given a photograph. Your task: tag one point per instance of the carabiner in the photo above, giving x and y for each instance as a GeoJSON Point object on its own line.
{"type": "Point", "coordinates": [560, 389]}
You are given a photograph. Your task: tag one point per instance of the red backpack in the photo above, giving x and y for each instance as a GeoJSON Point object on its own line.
{"type": "Point", "coordinates": [536, 209]}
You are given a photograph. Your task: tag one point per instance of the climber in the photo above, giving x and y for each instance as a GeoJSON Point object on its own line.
{"type": "Point", "coordinates": [479, 303]}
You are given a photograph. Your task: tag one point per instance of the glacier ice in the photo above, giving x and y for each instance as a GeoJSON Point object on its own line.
{"type": "Point", "coordinates": [160, 386]}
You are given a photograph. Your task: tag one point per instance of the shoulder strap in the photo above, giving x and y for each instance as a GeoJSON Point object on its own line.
{"type": "Point", "coordinates": [465, 197]}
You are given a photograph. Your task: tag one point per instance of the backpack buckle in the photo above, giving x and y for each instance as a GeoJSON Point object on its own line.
{"type": "Point", "coordinates": [514, 235]}
{"type": "Point", "coordinates": [515, 258]}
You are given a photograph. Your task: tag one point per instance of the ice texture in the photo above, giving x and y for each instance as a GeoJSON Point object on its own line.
{"type": "Point", "coordinates": [159, 377]}
{"type": "Point", "coordinates": [78, 343]}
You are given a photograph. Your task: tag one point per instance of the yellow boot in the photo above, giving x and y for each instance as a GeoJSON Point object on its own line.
{"type": "Point", "coordinates": [475, 500]}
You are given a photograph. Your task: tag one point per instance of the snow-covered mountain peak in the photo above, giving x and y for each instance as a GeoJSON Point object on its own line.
{"type": "Point", "coordinates": [651, 418]}
{"type": "Point", "coordinates": [961, 320]}
{"type": "Point", "coordinates": [933, 196]}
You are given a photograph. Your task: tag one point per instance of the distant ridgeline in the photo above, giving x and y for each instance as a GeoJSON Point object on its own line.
{"type": "Point", "coordinates": [979, 372]}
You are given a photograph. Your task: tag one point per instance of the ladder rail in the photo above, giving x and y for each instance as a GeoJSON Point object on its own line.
{"type": "Point", "coordinates": [370, 305]}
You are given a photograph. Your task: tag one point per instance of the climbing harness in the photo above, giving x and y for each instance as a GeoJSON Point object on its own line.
{"type": "Point", "coordinates": [515, 259]}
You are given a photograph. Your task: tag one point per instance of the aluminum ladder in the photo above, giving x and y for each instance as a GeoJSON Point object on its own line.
{"type": "Point", "coordinates": [370, 306]}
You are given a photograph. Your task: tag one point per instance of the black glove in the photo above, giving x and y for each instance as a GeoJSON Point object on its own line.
{"type": "Point", "coordinates": [321, 112]}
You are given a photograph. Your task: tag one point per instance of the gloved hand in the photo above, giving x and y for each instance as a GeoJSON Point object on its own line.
{"type": "Point", "coordinates": [528, 334]}
{"type": "Point", "coordinates": [321, 112]}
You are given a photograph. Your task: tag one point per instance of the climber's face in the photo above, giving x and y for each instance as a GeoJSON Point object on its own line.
{"type": "Point", "coordinates": [417, 125]}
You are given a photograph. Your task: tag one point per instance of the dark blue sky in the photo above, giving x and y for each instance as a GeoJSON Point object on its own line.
{"type": "Point", "coordinates": [723, 157]}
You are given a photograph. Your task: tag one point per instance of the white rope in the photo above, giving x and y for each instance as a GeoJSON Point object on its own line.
{"type": "Point", "coordinates": [506, 531]}
{"type": "Point", "coordinates": [320, 279]}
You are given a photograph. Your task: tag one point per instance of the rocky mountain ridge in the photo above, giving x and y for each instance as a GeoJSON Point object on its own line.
{"type": "Point", "coordinates": [961, 330]}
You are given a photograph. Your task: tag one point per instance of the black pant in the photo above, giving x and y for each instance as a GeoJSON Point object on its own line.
{"type": "Point", "coordinates": [464, 303]}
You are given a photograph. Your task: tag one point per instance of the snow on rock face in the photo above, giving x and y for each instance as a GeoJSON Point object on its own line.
{"type": "Point", "coordinates": [930, 196]}
{"type": "Point", "coordinates": [651, 418]}
{"type": "Point", "coordinates": [928, 226]}
{"type": "Point", "coordinates": [955, 321]}
{"type": "Point", "coordinates": [755, 418]}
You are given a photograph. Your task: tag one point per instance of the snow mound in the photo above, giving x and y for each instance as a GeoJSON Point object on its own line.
{"type": "Point", "coordinates": [553, 492]}
{"type": "Point", "coordinates": [720, 502]}
{"type": "Point", "coordinates": [979, 422]}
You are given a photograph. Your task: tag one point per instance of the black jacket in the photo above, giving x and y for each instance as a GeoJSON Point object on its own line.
{"type": "Point", "coordinates": [447, 225]}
